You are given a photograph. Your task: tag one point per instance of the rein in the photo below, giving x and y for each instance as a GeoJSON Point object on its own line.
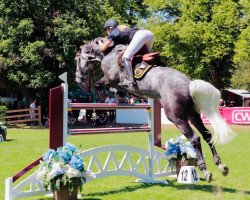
{"type": "Point", "coordinates": [87, 58]}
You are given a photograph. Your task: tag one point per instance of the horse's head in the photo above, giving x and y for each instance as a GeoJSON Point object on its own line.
{"type": "Point", "coordinates": [85, 60]}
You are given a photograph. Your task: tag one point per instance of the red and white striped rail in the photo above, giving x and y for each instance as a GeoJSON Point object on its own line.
{"type": "Point", "coordinates": [107, 106]}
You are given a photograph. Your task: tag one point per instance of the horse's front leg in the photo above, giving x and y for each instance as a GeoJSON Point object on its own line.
{"type": "Point", "coordinates": [102, 83]}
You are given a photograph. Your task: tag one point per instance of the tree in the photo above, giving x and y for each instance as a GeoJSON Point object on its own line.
{"type": "Point", "coordinates": [197, 37]}
{"type": "Point", "coordinates": [241, 77]}
{"type": "Point", "coordinates": [39, 39]}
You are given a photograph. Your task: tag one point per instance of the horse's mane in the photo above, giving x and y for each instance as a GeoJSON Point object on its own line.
{"type": "Point", "coordinates": [119, 47]}
{"type": "Point", "coordinates": [114, 48]}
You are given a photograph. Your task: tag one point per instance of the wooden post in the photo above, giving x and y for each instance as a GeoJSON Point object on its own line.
{"type": "Point", "coordinates": [56, 117]}
{"type": "Point", "coordinates": [39, 116]}
{"type": "Point", "coordinates": [157, 124]}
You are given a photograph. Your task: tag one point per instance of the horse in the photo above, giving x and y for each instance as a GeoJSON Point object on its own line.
{"type": "Point", "coordinates": [181, 98]}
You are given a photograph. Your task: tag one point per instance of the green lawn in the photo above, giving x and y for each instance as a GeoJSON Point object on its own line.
{"type": "Point", "coordinates": [26, 145]}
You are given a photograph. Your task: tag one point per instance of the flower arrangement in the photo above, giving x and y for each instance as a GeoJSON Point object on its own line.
{"type": "Point", "coordinates": [179, 148]}
{"type": "Point", "coordinates": [59, 168]}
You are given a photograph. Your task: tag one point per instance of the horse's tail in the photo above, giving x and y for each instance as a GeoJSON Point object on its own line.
{"type": "Point", "coordinates": [206, 98]}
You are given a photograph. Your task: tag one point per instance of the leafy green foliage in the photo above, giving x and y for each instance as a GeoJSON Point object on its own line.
{"type": "Point", "coordinates": [3, 110]}
{"type": "Point", "coordinates": [241, 77]}
{"type": "Point", "coordinates": [197, 37]}
{"type": "Point", "coordinates": [39, 39]}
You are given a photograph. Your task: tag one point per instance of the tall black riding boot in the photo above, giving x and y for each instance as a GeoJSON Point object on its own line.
{"type": "Point", "coordinates": [129, 79]}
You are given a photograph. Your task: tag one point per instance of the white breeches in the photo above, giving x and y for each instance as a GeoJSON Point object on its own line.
{"type": "Point", "coordinates": [141, 38]}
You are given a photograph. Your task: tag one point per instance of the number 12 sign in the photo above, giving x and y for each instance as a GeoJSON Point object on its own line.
{"type": "Point", "coordinates": [188, 175]}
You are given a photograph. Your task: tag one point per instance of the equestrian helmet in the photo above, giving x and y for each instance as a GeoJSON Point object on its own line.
{"type": "Point", "coordinates": [110, 23]}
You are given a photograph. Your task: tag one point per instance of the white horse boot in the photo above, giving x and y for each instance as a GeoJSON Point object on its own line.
{"type": "Point", "coordinates": [129, 78]}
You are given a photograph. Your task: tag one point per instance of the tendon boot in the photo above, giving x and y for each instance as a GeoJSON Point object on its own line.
{"type": "Point", "coordinates": [129, 78]}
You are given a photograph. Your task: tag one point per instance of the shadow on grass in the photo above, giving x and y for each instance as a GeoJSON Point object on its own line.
{"type": "Point", "coordinates": [173, 184]}
{"type": "Point", "coordinates": [125, 189]}
{"type": "Point", "coordinates": [25, 126]}
{"type": "Point", "coordinates": [77, 198]}
{"type": "Point", "coordinates": [82, 197]}
{"type": "Point", "coordinates": [206, 188]}
{"type": "Point", "coordinates": [9, 140]}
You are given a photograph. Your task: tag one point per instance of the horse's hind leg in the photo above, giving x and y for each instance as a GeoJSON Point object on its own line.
{"type": "Point", "coordinates": [197, 122]}
{"type": "Point", "coordinates": [186, 129]}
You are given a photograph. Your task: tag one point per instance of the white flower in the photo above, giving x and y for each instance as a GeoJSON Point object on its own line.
{"type": "Point", "coordinates": [71, 172]}
{"type": "Point", "coordinates": [41, 172]}
{"type": "Point", "coordinates": [57, 169]}
{"type": "Point", "coordinates": [190, 153]}
{"type": "Point", "coordinates": [172, 141]}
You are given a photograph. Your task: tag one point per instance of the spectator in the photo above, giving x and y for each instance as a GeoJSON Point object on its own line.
{"type": "Point", "coordinates": [144, 101]}
{"type": "Point", "coordinates": [112, 113]}
{"type": "Point", "coordinates": [82, 116]}
{"type": "Point", "coordinates": [32, 110]}
{"type": "Point", "coordinates": [111, 98]}
{"type": "Point", "coordinates": [132, 100]}
{"type": "Point", "coordinates": [222, 103]}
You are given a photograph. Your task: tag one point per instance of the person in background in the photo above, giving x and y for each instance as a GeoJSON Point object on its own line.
{"type": "Point", "coordinates": [134, 38]}
{"type": "Point", "coordinates": [111, 113]}
{"type": "Point", "coordinates": [111, 98]}
{"type": "Point", "coordinates": [222, 103]}
{"type": "Point", "coordinates": [132, 99]}
{"type": "Point", "coordinates": [32, 110]}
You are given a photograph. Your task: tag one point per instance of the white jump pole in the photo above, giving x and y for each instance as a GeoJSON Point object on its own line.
{"type": "Point", "coordinates": [151, 158]}
{"type": "Point", "coordinates": [63, 77]}
{"type": "Point", "coordinates": [8, 188]}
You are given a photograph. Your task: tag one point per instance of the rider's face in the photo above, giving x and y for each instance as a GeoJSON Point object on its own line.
{"type": "Point", "coordinates": [108, 30]}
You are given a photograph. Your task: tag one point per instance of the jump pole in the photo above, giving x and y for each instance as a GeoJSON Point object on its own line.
{"type": "Point", "coordinates": [58, 124]}
{"type": "Point", "coordinates": [154, 120]}
{"type": "Point", "coordinates": [58, 116]}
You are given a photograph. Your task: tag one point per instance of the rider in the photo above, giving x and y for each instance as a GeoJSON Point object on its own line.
{"type": "Point", "coordinates": [134, 38]}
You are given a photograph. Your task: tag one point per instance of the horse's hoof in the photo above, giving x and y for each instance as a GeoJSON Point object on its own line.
{"type": "Point", "coordinates": [223, 169]}
{"type": "Point", "coordinates": [208, 176]}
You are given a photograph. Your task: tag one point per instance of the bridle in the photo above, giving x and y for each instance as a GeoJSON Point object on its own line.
{"type": "Point", "coordinates": [87, 57]}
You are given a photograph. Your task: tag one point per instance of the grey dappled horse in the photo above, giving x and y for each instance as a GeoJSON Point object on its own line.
{"type": "Point", "coordinates": [181, 98]}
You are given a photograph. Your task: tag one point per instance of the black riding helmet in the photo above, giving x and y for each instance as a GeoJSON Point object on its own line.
{"type": "Point", "coordinates": [110, 23]}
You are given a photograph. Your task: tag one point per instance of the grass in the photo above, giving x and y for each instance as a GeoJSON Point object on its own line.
{"type": "Point", "coordinates": [26, 145]}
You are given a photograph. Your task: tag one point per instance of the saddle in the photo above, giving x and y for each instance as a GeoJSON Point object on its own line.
{"type": "Point", "coordinates": [141, 63]}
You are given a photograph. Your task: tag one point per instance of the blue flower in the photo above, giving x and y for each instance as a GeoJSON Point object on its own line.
{"type": "Point", "coordinates": [71, 147]}
{"type": "Point", "coordinates": [183, 147]}
{"type": "Point", "coordinates": [77, 162]}
{"type": "Point", "coordinates": [180, 149]}
{"type": "Point", "coordinates": [65, 154]}
{"type": "Point", "coordinates": [173, 149]}
{"type": "Point", "coordinates": [48, 155]}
